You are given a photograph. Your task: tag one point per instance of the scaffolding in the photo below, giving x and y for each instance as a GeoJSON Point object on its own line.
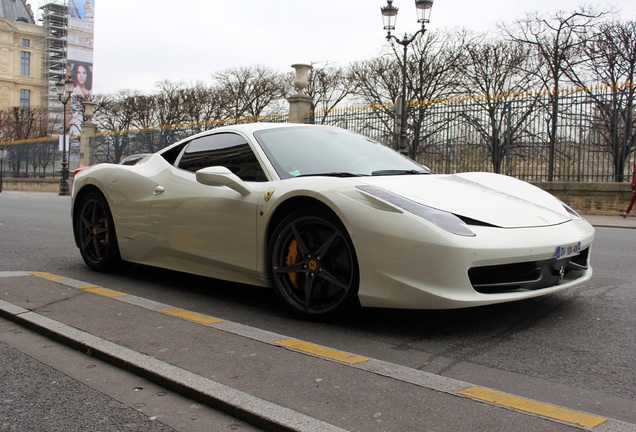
{"type": "Point", "coordinates": [54, 67]}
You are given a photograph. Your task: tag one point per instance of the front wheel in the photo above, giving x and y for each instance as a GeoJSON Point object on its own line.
{"type": "Point", "coordinates": [95, 233]}
{"type": "Point", "coordinates": [313, 265]}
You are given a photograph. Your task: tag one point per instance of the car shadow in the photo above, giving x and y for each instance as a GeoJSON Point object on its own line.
{"type": "Point", "coordinates": [254, 305]}
{"type": "Point", "coordinates": [165, 283]}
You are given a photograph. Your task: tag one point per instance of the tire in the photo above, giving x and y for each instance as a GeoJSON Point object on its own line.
{"type": "Point", "coordinates": [313, 265]}
{"type": "Point", "coordinates": [95, 233]}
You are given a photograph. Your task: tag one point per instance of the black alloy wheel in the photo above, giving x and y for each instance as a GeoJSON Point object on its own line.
{"type": "Point", "coordinates": [313, 265]}
{"type": "Point", "coordinates": [95, 232]}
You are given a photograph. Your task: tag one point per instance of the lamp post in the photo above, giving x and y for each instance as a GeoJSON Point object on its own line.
{"type": "Point", "coordinates": [64, 89]}
{"type": "Point", "coordinates": [389, 16]}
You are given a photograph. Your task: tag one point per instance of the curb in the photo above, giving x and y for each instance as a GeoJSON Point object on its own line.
{"type": "Point", "coordinates": [253, 410]}
{"type": "Point", "coordinates": [257, 412]}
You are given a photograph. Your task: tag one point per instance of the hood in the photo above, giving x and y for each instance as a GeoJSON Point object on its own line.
{"type": "Point", "coordinates": [491, 198]}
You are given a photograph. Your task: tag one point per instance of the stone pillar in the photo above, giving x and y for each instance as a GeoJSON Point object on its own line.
{"type": "Point", "coordinates": [88, 130]}
{"type": "Point", "coordinates": [299, 108]}
{"type": "Point", "coordinates": [300, 104]}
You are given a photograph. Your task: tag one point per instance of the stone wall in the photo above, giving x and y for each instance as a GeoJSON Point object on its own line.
{"type": "Point", "coordinates": [31, 185]}
{"type": "Point", "coordinates": [586, 198]}
{"type": "Point", "coordinates": [591, 198]}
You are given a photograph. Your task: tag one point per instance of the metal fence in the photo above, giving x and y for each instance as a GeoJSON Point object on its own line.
{"type": "Point", "coordinates": [595, 136]}
{"type": "Point", "coordinates": [115, 147]}
{"type": "Point", "coordinates": [595, 139]}
{"type": "Point", "coordinates": [38, 158]}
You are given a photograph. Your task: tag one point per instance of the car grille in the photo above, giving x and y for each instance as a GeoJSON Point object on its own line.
{"type": "Point", "coordinates": [531, 275]}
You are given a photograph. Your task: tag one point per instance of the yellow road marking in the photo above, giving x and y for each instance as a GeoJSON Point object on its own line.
{"type": "Point", "coordinates": [101, 291]}
{"type": "Point", "coordinates": [527, 405]}
{"type": "Point", "coordinates": [192, 316]}
{"type": "Point", "coordinates": [320, 351]}
{"type": "Point", "coordinates": [492, 396]}
{"type": "Point", "coordinates": [47, 276]}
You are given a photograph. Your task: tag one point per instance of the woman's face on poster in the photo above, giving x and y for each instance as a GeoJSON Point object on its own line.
{"type": "Point", "coordinates": [81, 75]}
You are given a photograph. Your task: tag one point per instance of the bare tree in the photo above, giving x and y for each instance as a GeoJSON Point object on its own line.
{"type": "Point", "coordinates": [497, 72]}
{"type": "Point", "coordinates": [146, 119]}
{"type": "Point", "coordinates": [169, 102]}
{"type": "Point", "coordinates": [556, 40]}
{"type": "Point", "coordinates": [433, 65]}
{"type": "Point", "coordinates": [170, 112]}
{"type": "Point", "coordinates": [202, 106]}
{"type": "Point", "coordinates": [377, 83]}
{"type": "Point", "coordinates": [251, 91]}
{"type": "Point", "coordinates": [435, 72]}
{"type": "Point", "coordinates": [114, 114]}
{"type": "Point", "coordinates": [145, 110]}
{"type": "Point", "coordinates": [23, 123]}
{"type": "Point", "coordinates": [328, 87]}
{"type": "Point", "coordinates": [432, 69]}
{"type": "Point", "coordinates": [609, 57]}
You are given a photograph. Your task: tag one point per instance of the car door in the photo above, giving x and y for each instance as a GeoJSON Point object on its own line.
{"type": "Point", "coordinates": [209, 226]}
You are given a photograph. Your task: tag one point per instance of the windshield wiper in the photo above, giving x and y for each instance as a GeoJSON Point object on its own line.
{"type": "Point", "coordinates": [397, 172]}
{"type": "Point", "coordinates": [331, 174]}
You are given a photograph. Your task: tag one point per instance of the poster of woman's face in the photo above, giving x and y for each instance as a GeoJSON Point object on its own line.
{"type": "Point", "coordinates": [82, 76]}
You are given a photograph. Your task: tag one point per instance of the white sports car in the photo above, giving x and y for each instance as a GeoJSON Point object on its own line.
{"type": "Point", "coordinates": [331, 219]}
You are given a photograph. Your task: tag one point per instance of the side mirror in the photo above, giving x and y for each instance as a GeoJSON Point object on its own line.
{"type": "Point", "coordinates": [221, 176]}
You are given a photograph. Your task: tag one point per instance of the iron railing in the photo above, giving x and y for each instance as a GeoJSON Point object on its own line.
{"type": "Point", "coordinates": [595, 140]}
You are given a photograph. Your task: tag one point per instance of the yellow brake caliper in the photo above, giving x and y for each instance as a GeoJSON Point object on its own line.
{"type": "Point", "coordinates": [106, 235]}
{"type": "Point", "coordinates": [292, 258]}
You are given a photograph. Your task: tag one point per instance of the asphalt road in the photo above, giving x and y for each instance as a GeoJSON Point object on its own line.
{"type": "Point", "coordinates": [575, 348]}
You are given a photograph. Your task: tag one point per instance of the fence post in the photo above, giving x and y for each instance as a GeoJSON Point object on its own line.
{"type": "Point", "coordinates": [88, 130]}
{"type": "Point", "coordinates": [300, 103]}
{"type": "Point", "coordinates": [399, 106]}
{"type": "Point", "coordinates": [3, 154]}
{"type": "Point", "coordinates": [508, 108]}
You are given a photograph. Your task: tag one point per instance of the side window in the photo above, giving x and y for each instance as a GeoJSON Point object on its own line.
{"type": "Point", "coordinates": [172, 155]}
{"type": "Point", "coordinates": [222, 149]}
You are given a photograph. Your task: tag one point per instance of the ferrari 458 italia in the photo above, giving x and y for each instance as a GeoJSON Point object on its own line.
{"type": "Point", "coordinates": [331, 220]}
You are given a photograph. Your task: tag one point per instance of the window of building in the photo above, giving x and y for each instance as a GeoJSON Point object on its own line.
{"type": "Point", "coordinates": [223, 149]}
{"type": "Point", "coordinates": [25, 98]}
{"type": "Point", "coordinates": [25, 63]}
{"type": "Point", "coordinates": [26, 42]}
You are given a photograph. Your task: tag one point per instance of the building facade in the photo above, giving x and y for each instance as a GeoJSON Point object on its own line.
{"type": "Point", "coordinates": [21, 57]}
{"type": "Point", "coordinates": [36, 56]}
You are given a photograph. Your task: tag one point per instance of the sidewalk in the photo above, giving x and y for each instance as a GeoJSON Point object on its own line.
{"type": "Point", "coordinates": [612, 221]}
{"type": "Point", "coordinates": [266, 379]}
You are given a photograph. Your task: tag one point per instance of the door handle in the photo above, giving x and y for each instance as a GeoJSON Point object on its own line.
{"type": "Point", "coordinates": [159, 189]}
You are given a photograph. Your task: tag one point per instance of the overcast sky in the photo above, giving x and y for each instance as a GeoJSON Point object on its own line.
{"type": "Point", "coordinates": [140, 42]}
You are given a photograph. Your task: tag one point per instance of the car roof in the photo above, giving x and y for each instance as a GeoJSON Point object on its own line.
{"type": "Point", "coordinates": [245, 128]}
{"type": "Point", "coordinates": [253, 127]}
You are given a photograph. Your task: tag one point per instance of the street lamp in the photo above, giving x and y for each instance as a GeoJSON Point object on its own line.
{"type": "Point", "coordinates": [64, 88]}
{"type": "Point", "coordinates": [389, 16]}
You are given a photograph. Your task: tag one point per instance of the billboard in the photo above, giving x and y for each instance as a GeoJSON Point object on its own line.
{"type": "Point", "coordinates": [81, 15]}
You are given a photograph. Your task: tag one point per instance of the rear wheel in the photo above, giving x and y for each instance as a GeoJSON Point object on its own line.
{"type": "Point", "coordinates": [95, 232]}
{"type": "Point", "coordinates": [313, 265]}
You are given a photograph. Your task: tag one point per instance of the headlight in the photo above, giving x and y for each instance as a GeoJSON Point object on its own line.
{"type": "Point", "coordinates": [571, 211]}
{"type": "Point", "coordinates": [441, 219]}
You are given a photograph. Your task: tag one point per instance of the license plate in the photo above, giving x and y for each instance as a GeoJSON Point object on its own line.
{"type": "Point", "coordinates": [568, 250]}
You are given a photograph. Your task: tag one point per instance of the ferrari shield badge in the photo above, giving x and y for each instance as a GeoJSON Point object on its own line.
{"type": "Point", "coordinates": [269, 194]}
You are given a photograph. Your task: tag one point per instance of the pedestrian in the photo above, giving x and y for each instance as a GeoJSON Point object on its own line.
{"type": "Point", "coordinates": [631, 201]}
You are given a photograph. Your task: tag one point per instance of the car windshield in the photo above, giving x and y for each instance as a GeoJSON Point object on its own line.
{"type": "Point", "coordinates": [322, 150]}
